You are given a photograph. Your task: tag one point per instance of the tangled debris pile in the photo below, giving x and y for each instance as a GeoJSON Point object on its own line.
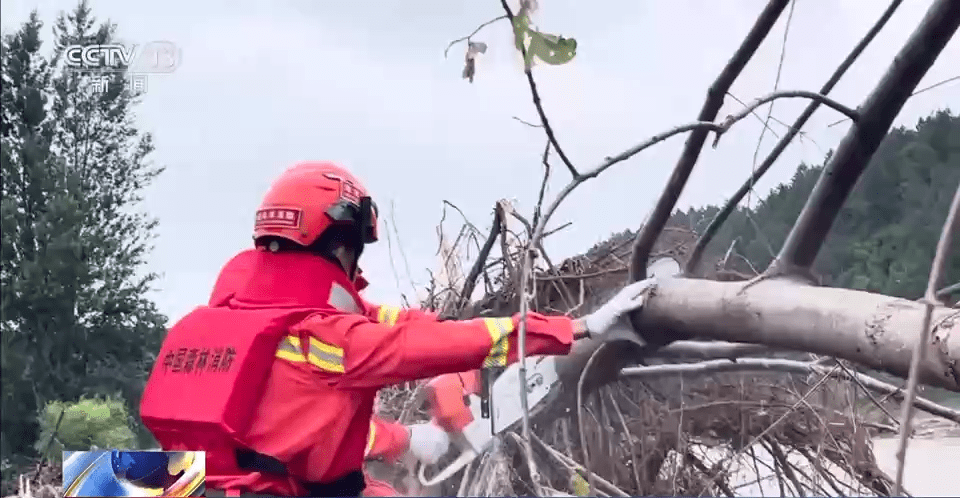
{"type": "Point", "coordinates": [722, 434]}
{"type": "Point", "coordinates": [43, 481]}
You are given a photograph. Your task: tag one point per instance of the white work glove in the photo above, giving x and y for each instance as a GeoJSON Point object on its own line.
{"type": "Point", "coordinates": [613, 315]}
{"type": "Point", "coordinates": [428, 442]}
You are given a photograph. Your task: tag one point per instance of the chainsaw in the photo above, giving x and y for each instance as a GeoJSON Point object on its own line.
{"type": "Point", "coordinates": [498, 407]}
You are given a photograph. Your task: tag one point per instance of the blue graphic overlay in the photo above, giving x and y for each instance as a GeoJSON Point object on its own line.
{"type": "Point", "coordinates": [133, 473]}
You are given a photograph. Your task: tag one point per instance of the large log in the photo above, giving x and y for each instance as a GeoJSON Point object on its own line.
{"type": "Point", "coordinates": [874, 330]}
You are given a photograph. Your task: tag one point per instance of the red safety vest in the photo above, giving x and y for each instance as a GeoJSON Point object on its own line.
{"type": "Point", "coordinates": [212, 368]}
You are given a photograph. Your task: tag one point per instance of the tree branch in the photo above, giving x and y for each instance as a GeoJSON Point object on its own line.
{"type": "Point", "coordinates": [779, 365]}
{"type": "Point", "coordinates": [853, 154]}
{"type": "Point", "coordinates": [778, 149]}
{"type": "Point", "coordinates": [535, 94]}
{"type": "Point", "coordinates": [471, 35]}
{"type": "Point", "coordinates": [471, 281]}
{"type": "Point", "coordinates": [816, 97]}
{"type": "Point", "coordinates": [648, 234]}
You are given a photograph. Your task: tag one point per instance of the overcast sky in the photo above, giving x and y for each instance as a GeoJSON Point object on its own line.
{"type": "Point", "coordinates": [263, 84]}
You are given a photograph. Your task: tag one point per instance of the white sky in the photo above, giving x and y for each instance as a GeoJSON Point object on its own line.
{"type": "Point", "coordinates": [264, 84]}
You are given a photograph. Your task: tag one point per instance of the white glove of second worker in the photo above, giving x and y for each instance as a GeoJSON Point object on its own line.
{"type": "Point", "coordinates": [608, 316]}
{"type": "Point", "coordinates": [428, 442]}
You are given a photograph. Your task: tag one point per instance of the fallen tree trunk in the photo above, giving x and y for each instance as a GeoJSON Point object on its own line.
{"type": "Point", "coordinates": [874, 330]}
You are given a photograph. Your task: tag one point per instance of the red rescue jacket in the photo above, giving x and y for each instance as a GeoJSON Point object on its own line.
{"type": "Point", "coordinates": [290, 367]}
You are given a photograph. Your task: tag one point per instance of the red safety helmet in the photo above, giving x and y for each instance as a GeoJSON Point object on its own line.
{"type": "Point", "coordinates": [311, 197]}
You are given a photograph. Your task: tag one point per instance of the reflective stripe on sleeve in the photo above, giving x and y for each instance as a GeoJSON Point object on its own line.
{"type": "Point", "coordinates": [289, 349]}
{"type": "Point", "coordinates": [320, 354]}
{"type": "Point", "coordinates": [388, 315]}
{"type": "Point", "coordinates": [371, 438]}
{"type": "Point", "coordinates": [499, 329]}
{"type": "Point", "coordinates": [326, 356]}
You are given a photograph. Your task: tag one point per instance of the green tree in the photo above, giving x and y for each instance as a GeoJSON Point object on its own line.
{"type": "Point", "coordinates": [76, 319]}
{"type": "Point", "coordinates": [887, 232]}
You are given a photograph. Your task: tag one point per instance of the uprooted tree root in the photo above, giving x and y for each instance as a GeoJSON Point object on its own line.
{"type": "Point", "coordinates": [672, 435]}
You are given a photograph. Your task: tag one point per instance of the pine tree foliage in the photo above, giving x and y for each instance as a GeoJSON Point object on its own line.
{"type": "Point", "coordinates": [886, 235]}
{"type": "Point", "coordinates": [76, 316]}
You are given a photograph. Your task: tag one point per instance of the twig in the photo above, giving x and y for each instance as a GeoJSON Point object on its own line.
{"type": "Point", "coordinates": [543, 185]}
{"type": "Point", "coordinates": [824, 100]}
{"type": "Point", "coordinates": [935, 85]}
{"type": "Point", "coordinates": [561, 227]}
{"type": "Point", "coordinates": [570, 463]}
{"type": "Point", "coordinates": [950, 228]}
{"type": "Point", "coordinates": [776, 85]}
{"type": "Point", "coordinates": [629, 436]}
{"type": "Point", "coordinates": [765, 125]}
{"type": "Point", "coordinates": [648, 234]}
{"type": "Point", "coordinates": [393, 266]}
{"type": "Point", "coordinates": [924, 89]}
{"type": "Point", "coordinates": [471, 35]}
{"type": "Point", "coordinates": [536, 97]}
{"type": "Point", "coordinates": [873, 399]}
{"type": "Point", "coordinates": [529, 124]}
{"type": "Point", "coordinates": [465, 219]}
{"type": "Point", "coordinates": [777, 453]}
{"type": "Point", "coordinates": [774, 154]}
{"type": "Point", "coordinates": [580, 407]}
{"type": "Point", "coordinates": [403, 254]}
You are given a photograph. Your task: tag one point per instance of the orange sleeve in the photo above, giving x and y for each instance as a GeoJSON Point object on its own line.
{"type": "Point", "coordinates": [386, 440]}
{"type": "Point", "coordinates": [353, 352]}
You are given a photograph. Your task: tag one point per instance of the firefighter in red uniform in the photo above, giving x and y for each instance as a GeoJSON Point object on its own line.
{"type": "Point", "coordinates": [278, 385]}
{"type": "Point", "coordinates": [387, 440]}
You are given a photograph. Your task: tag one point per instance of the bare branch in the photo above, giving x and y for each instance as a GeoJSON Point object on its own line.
{"type": "Point", "coordinates": [776, 83]}
{"type": "Point", "coordinates": [852, 114]}
{"type": "Point", "coordinates": [951, 226]}
{"type": "Point", "coordinates": [538, 209]}
{"type": "Point", "coordinates": [853, 154]}
{"type": "Point", "coordinates": [779, 365]}
{"type": "Point", "coordinates": [535, 94]}
{"type": "Point", "coordinates": [610, 161]}
{"type": "Point", "coordinates": [918, 92]}
{"type": "Point", "coordinates": [792, 132]}
{"type": "Point", "coordinates": [478, 265]}
{"type": "Point", "coordinates": [471, 35]}
{"type": "Point", "coordinates": [648, 234]}
{"type": "Point", "coordinates": [528, 123]}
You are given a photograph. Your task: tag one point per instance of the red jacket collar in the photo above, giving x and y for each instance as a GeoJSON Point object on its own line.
{"type": "Point", "coordinates": [291, 280]}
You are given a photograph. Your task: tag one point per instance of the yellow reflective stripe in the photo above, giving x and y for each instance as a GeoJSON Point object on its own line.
{"type": "Point", "coordinates": [326, 356]}
{"type": "Point", "coordinates": [289, 349]}
{"type": "Point", "coordinates": [499, 329]}
{"type": "Point", "coordinates": [371, 438]}
{"type": "Point", "coordinates": [388, 315]}
{"type": "Point", "coordinates": [321, 355]}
